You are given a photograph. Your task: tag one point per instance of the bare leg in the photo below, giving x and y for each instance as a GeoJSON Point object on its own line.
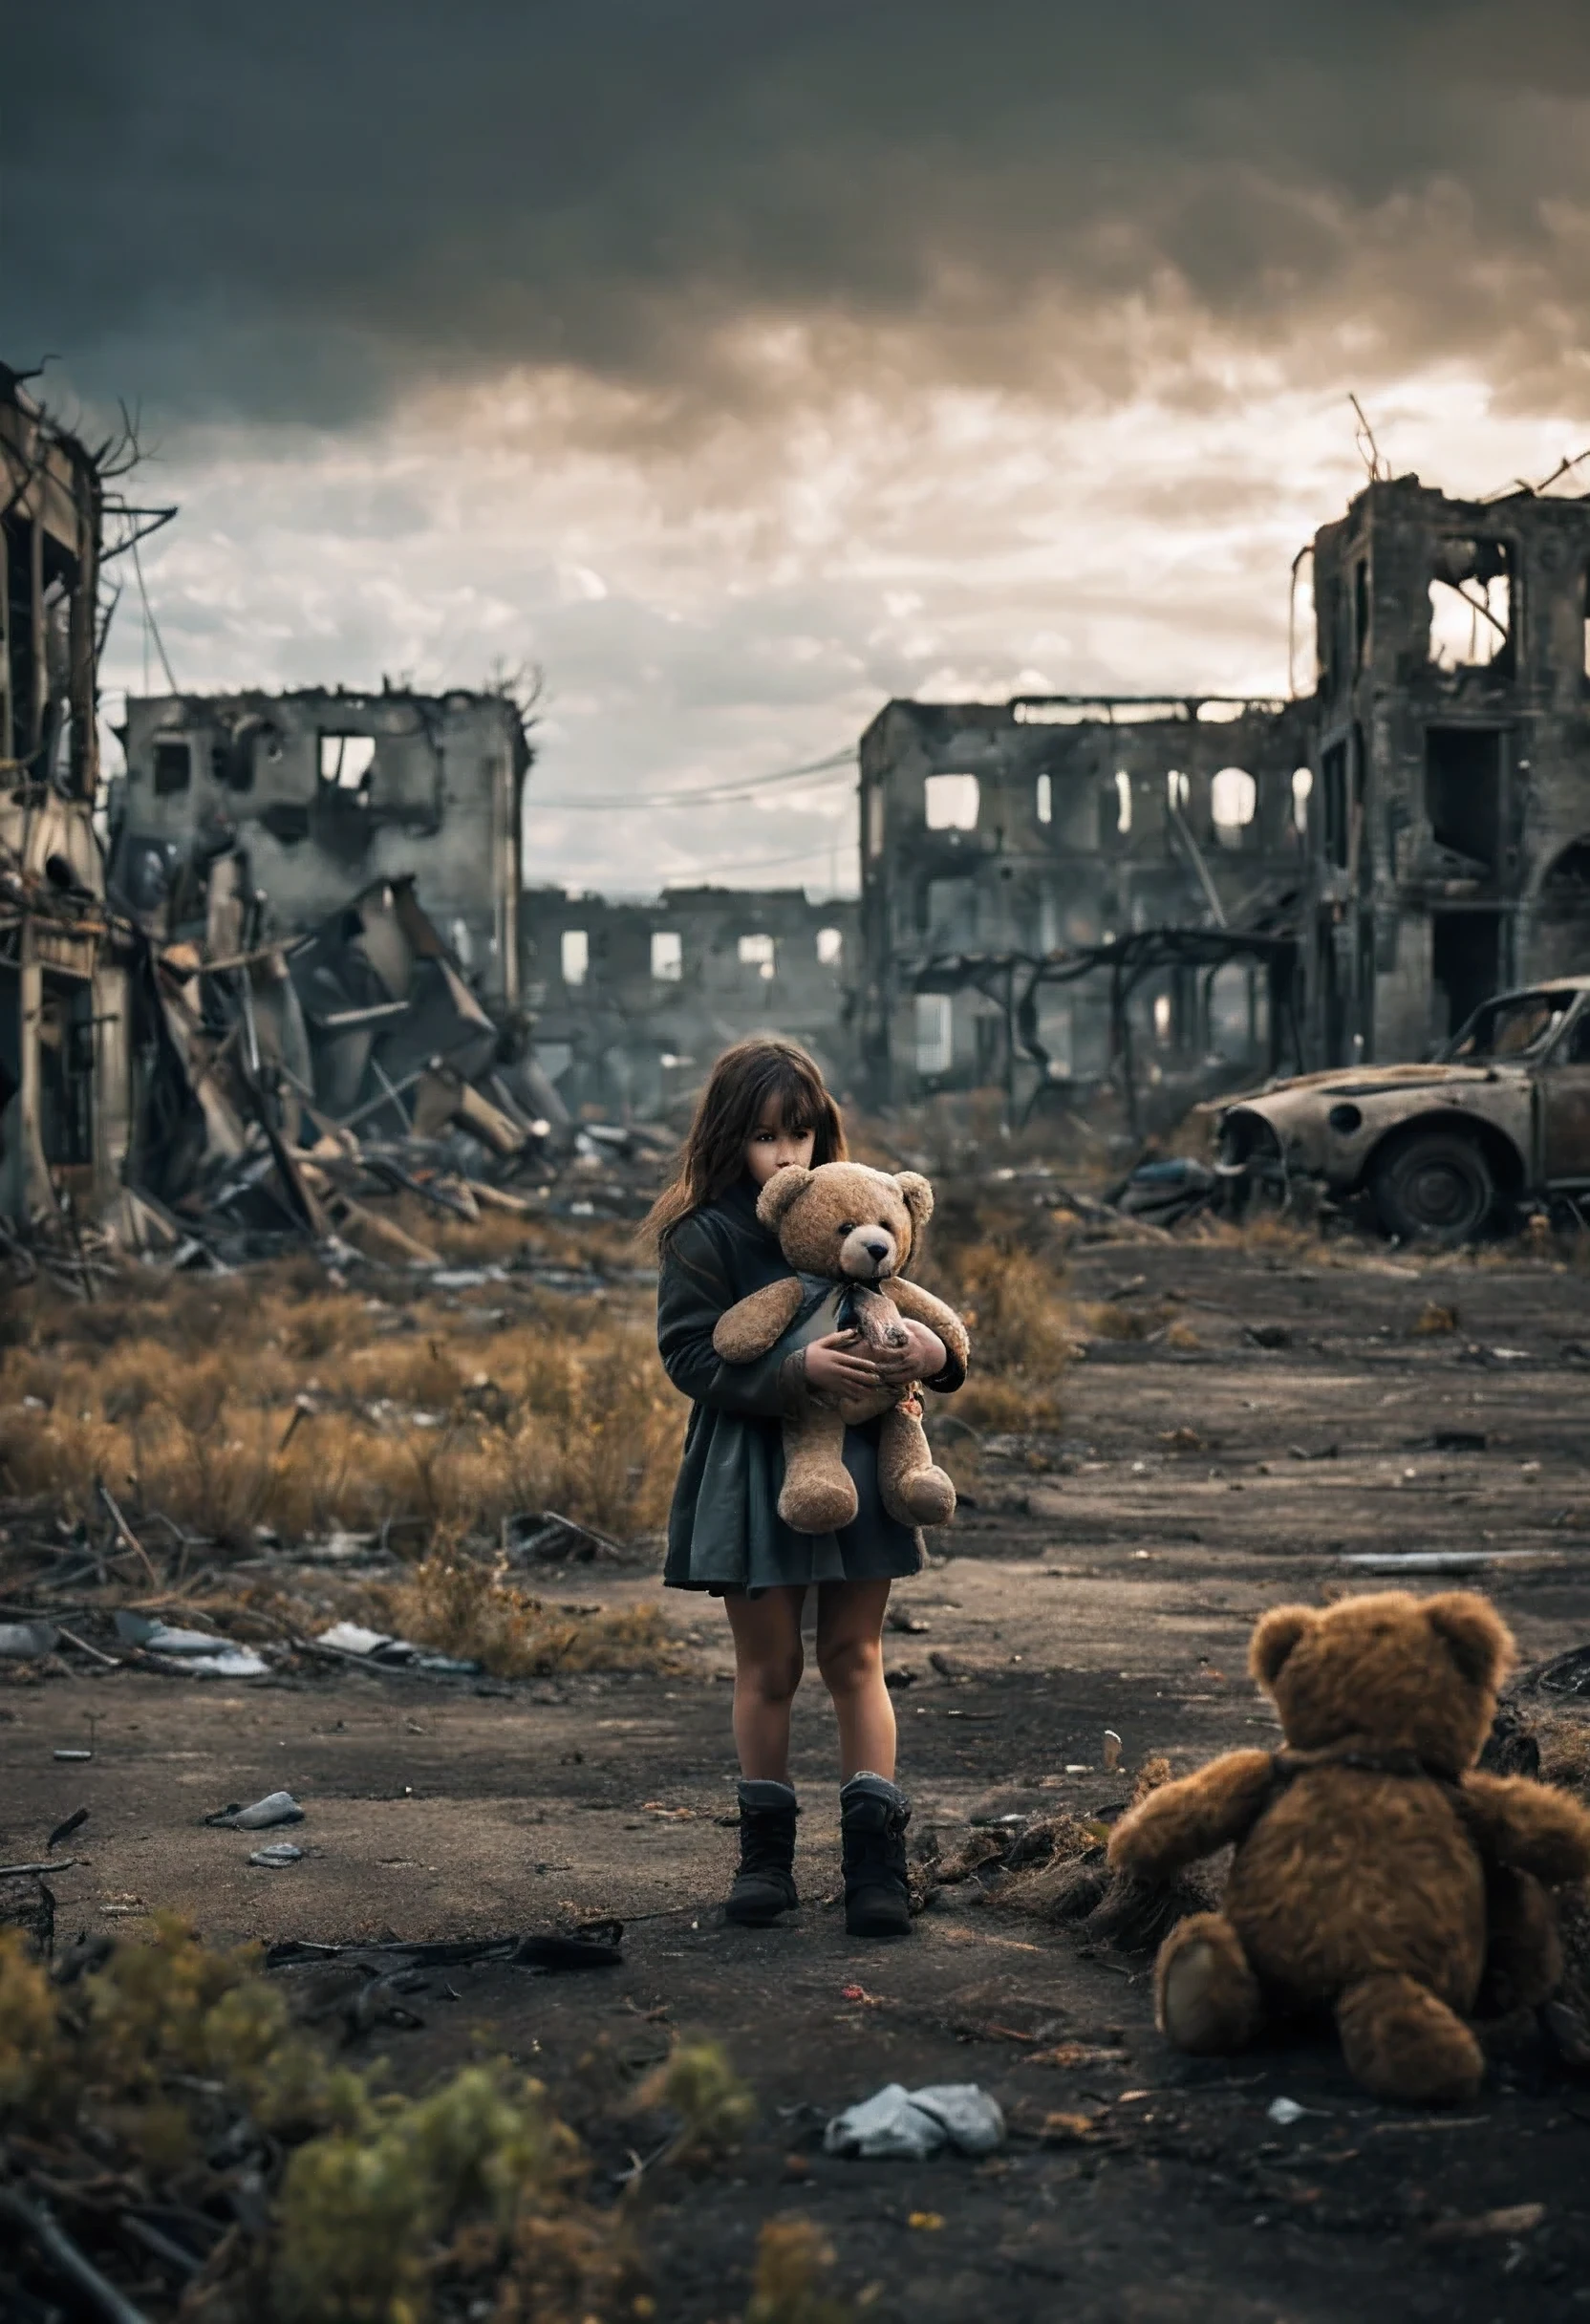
{"type": "Point", "coordinates": [768, 1666]}
{"type": "Point", "coordinates": [849, 1654]}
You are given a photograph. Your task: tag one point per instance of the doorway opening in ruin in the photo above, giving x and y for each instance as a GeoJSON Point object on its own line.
{"type": "Point", "coordinates": [65, 1071]}
{"type": "Point", "coordinates": [1466, 965]}
{"type": "Point", "coordinates": [1463, 791]}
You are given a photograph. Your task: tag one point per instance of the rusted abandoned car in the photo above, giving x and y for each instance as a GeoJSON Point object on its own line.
{"type": "Point", "coordinates": [1444, 1148]}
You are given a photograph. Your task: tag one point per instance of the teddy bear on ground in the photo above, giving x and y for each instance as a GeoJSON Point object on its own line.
{"type": "Point", "coordinates": [847, 1232]}
{"type": "Point", "coordinates": [1377, 1876]}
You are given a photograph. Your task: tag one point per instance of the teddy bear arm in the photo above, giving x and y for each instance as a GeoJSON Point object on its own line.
{"type": "Point", "coordinates": [1530, 1826]}
{"type": "Point", "coordinates": [1181, 1821]}
{"type": "Point", "coordinates": [923, 1308]}
{"type": "Point", "coordinates": [750, 1327]}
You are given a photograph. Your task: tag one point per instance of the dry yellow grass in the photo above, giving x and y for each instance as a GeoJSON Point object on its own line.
{"type": "Point", "coordinates": [1009, 1295]}
{"type": "Point", "coordinates": [269, 1399]}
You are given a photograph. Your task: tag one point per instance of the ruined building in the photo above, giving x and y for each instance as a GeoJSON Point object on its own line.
{"type": "Point", "coordinates": [1047, 823]}
{"type": "Point", "coordinates": [64, 1061]}
{"type": "Point", "coordinates": [314, 795]}
{"type": "Point", "coordinates": [1450, 829]}
{"type": "Point", "coordinates": [634, 999]}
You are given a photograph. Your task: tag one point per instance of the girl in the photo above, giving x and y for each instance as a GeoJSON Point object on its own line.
{"type": "Point", "coordinates": [765, 1105]}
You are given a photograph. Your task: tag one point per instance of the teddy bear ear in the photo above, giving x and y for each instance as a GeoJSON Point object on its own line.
{"type": "Point", "coordinates": [1275, 1639]}
{"type": "Point", "coordinates": [1475, 1635]}
{"type": "Point", "coordinates": [917, 1195]}
{"type": "Point", "coordinates": [780, 1191]}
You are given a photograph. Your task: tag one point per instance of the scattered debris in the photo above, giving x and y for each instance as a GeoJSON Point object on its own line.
{"type": "Point", "coordinates": [276, 1807]}
{"type": "Point", "coordinates": [278, 1856]}
{"type": "Point", "coordinates": [596, 1946]}
{"type": "Point", "coordinates": [1442, 1561]}
{"type": "Point", "coordinates": [75, 1822]}
{"type": "Point", "coordinates": [914, 2125]}
{"type": "Point", "coordinates": [351, 1639]}
{"type": "Point", "coordinates": [24, 1640]}
{"type": "Point", "coordinates": [199, 1653]}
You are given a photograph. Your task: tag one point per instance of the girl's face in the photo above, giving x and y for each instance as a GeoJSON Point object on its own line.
{"type": "Point", "coordinates": [772, 1146]}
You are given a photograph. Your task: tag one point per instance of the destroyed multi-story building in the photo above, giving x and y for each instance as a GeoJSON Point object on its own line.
{"type": "Point", "coordinates": [994, 832]}
{"type": "Point", "coordinates": [633, 999]}
{"type": "Point", "coordinates": [318, 793]}
{"type": "Point", "coordinates": [64, 1063]}
{"type": "Point", "coordinates": [1451, 818]}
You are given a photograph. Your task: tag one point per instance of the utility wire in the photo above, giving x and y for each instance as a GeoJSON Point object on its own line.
{"type": "Point", "coordinates": [154, 626]}
{"type": "Point", "coordinates": [711, 794]}
{"type": "Point", "coordinates": [706, 872]}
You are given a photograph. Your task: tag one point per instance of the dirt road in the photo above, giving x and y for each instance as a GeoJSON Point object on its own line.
{"type": "Point", "coordinates": [1270, 1421]}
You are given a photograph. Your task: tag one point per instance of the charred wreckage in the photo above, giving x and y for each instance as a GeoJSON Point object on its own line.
{"type": "Point", "coordinates": [289, 956]}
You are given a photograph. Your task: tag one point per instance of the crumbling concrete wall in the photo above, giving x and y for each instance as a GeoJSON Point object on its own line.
{"type": "Point", "coordinates": [64, 1051]}
{"type": "Point", "coordinates": [325, 793]}
{"type": "Point", "coordinates": [633, 999]}
{"type": "Point", "coordinates": [1042, 823]}
{"type": "Point", "coordinates": [1449, 820]}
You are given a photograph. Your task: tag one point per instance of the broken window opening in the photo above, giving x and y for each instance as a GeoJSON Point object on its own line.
{"type": "Point", "coordinates": [934, 1032]}
{"type": "Point", "coordinates": [874, 820]}
{"type": "Point", "coordinates": [759, 952]}
{"type": "Point", "coordinates": [574, 955]}
{"type": "Point", "coordinates": [1568, 879]}
{"type": "Point", "coordinates": [1233, 803]}
{"type": "Point", "coordinates": [1463, 793]}
{"type": "Point", "coordinates": [1361, 613]}
{"type": "Point", "coordinates": [1179, 790]}
{"type": "Point", "coordinates": [1163, 1015]}
{"type": "Point", "coordinates": [951, 802]}
{"type": "Point", "coordinates": [1123, 800]}
{"type": "Point", "coordinates": [345, 760]}
{"type": "Point", "coordinates": [1470, 604]}
{"type": "Point", "coordinates": [667, 956]}
{"type": "Point", "coordinates": [1302, 784]}
{"type": "Point", "coordinates": [173, 766]}
{"type": "Point", "coordinates": [1333, 772]}
{"type": "Point", "coordinates": [830, 947]}
{"type": "Point", "coordinates": [1044, 801]}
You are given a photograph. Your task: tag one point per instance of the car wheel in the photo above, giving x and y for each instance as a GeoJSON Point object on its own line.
{"type": "Point", "coordinates": [1434, 1187]}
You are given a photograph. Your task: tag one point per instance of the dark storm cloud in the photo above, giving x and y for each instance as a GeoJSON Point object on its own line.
{"type": "Point", "coordinates": [289, 211]}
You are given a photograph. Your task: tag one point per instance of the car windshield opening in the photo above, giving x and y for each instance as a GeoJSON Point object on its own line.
{"type": "Point", "coordinates": [1519, 1025]}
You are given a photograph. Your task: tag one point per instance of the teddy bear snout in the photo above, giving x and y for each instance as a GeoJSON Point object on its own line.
{"type": "Point", "coordinates": [868, 1254]}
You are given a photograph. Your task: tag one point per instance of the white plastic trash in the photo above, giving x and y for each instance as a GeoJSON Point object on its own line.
{"type": "Point", "coordinates": [276, 1807]}
{"type": "Point", "coordinates": [913, 2124]}
{"type": "Point", "coordinates": [278, 1856]}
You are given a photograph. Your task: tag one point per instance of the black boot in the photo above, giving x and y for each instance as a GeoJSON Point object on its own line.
{"type": "Point", "coordinates": [873, 1820]}
{"type": "Point", "coordinates": [764, 1885]}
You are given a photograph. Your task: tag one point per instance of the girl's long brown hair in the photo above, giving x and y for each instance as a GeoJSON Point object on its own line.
{"type": "Point", "coordinates": [713, 1156]}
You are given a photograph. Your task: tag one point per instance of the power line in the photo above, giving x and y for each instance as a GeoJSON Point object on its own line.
{"type": "Point", "coordinates": [760, 863]}
{"type": "Point", "coordinates": [711, 794]}
{"type": "Point", "coordinates": [153, 625]}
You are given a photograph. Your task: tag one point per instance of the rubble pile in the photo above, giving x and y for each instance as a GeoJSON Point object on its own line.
{"type": "Point", "coordinates": [285, 1089]}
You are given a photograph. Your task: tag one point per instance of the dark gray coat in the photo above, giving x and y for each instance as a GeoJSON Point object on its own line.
{"type": "Point", "coordinates": [724, 1530]}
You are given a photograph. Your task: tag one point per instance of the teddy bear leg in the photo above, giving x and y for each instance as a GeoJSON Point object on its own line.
{"type": "Point", "coordinates": [1206, 1996]}
{"type": "Point", "coordinates": [912, 1489]}
{"type": "Point", "coordinates": [1400, 2042]}
{"type": "Point", "coordinates": [819, 1494]}
{"type": "Point", "coordinates": [1523, 1952]}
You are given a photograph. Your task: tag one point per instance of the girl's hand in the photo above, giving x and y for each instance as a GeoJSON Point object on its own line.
{"type": "Point", "coordinates": [922, 1356]}
{"type": "Point", "coordinates": [834, 1368]}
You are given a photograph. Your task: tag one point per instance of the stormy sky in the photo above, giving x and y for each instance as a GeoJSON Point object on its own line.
{"type": "Point", "coordinates": [742, 365]}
